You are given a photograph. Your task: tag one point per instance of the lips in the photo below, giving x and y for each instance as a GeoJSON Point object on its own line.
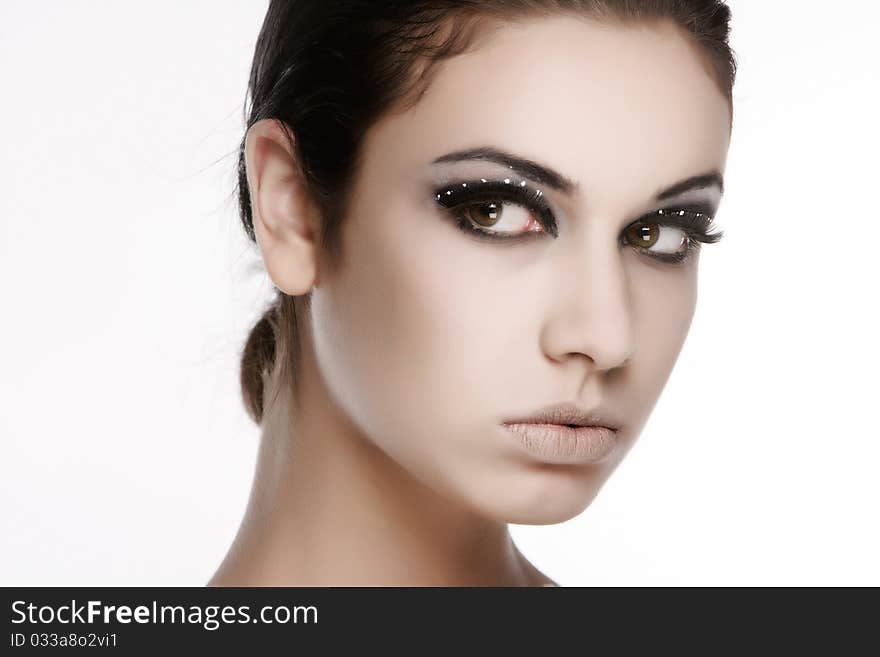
{"type": "Point", "coordinates": [568, 413]}
{"type": "Point", "coordinates": [556, 443]}
{"type": "Point", "coordinates": [565, 433]}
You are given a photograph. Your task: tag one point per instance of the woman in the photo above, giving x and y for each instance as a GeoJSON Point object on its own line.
{"type": "Point", "coordinates": [483, 221]}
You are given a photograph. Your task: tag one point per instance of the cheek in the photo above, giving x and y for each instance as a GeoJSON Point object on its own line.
{"type": "Point", "coordinates": [664, 300]}
{"type": "Point", "coordinates": [401, 331]}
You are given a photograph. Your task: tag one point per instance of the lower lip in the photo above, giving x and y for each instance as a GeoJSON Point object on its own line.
{"type": "Point", "coordinates": [558, 443]}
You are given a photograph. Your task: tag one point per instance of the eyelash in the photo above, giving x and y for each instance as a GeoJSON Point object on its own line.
{"type": "Point", "coordinates": [694, 220]}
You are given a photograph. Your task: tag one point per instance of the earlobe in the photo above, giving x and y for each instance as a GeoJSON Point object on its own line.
{"type": "Point", "coordinates": [283, 213]}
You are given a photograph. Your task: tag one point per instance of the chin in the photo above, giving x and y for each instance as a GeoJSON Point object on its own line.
{"type": "Point", "coordinates": [548, 495]}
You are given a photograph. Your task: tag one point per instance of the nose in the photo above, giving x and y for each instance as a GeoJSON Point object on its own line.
{"type": "Point", "coordinates": [590, 313]}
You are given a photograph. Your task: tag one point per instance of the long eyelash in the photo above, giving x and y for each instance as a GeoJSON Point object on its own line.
{"type": "Point", "coordinates": [694, 220]}
{"type": "Point", "coordinates": [459, 195]}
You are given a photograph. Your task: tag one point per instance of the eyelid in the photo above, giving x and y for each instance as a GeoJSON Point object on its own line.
{"type": "Point", "coordinates": [521, 192]}
{"type": "Point", "coordinates": [695, 207]}
{"type": "Point", "coordinates": [696, 220]}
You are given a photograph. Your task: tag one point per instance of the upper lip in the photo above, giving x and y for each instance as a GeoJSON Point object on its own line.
{"type": "Point", "coordinates": [568, 413]}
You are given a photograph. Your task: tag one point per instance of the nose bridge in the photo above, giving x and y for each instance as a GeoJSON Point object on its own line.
{"type": "Point", "coordinates": [591, 313]}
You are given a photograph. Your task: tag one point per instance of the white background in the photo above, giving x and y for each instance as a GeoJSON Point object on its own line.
{"type": "Point", "coordinates": [128, 289]}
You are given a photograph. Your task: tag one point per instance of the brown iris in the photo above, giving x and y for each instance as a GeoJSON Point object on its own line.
{"type": "Point", "coordinates": [643, 235]}
{"type": "Point", "coordinates": [484, 214]}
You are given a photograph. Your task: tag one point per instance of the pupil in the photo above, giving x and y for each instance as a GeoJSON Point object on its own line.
{"type": "Point", "coordinates": [645, 235]}
{"type": "Point", "coordinates": [485, 214]}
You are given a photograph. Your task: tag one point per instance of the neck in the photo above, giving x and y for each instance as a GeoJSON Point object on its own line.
{"type": "Point", "coordinates": [329, 508]}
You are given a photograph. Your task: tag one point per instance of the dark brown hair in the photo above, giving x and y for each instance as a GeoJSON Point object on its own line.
{"type": "Point", "coordinates": [327, 70]}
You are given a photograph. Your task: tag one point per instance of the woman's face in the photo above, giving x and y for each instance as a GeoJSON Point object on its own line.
{"type": "Point", "coordinates": [429, 338]}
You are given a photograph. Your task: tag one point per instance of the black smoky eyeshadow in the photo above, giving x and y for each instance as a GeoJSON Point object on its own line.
{"type": "Point", "coordinates": [468, 192]}
{"type": "Point", "coordinates": [696, 220]}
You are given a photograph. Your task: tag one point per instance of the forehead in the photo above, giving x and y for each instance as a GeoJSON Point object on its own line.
{"type": "Point", "coordinates": [621, 109]}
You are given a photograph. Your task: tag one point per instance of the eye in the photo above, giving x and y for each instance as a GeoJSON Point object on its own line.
{"type": "Point", "coordinates": [672, 236]}
{"type": "Point", "coordinates": [500, 217]}
{"type": "Point", "coordinates": [657, 237]}
{"type": "Point", "coordinates": [498, 209]}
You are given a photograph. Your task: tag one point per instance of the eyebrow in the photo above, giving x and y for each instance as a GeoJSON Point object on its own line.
{"type": "Point", "coordinates": [544, 175]}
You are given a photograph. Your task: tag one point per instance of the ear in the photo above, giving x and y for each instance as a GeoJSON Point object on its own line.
{"type": "Point", "coordinates": [284, 214]}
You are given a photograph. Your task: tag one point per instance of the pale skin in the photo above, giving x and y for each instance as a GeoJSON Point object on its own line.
{"type": "Point", "coordinates": [392, 469]}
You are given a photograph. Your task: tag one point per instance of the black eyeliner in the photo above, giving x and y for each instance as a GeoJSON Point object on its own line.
{"type": "Point", "coordinates": [696, 222]}
{"type": "Point", "coordinates": [463, 193]}
{"type": "Point", "coordinates": [695, 219]}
